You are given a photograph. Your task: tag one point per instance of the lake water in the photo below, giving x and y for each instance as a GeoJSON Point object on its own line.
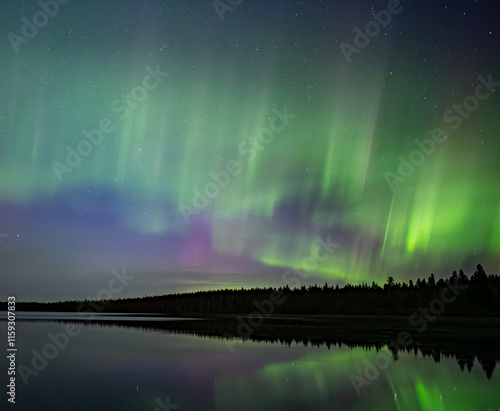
{"type": "Point", "coordinates": [115, 367]}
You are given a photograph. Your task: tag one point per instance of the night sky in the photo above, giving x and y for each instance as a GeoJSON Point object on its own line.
{"type": "Point", "coordinates": [201, 149]}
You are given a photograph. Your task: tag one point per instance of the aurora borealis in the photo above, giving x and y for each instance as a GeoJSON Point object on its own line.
{"type": "Point", "coordinates": [261, 112]}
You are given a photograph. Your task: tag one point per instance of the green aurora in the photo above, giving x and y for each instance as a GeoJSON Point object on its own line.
{"type": "Point", "coordinates": [326, 173]}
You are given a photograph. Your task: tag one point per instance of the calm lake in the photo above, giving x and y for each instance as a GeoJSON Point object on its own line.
{"type": "Point", "coordinates": [112, 366]}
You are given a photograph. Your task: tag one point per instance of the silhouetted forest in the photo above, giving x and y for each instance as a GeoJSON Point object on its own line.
{"type": "Point", "coordinates": [458, 295]}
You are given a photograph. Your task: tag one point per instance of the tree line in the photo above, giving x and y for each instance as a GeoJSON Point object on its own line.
{"type": "Point", "coordinates": [478, 295]}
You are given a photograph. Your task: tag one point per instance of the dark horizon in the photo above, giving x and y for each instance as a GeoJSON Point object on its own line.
{"type": "Point", "coordinates": [458, 295]}
{"type": "Point", "coordinates": [295, 279]}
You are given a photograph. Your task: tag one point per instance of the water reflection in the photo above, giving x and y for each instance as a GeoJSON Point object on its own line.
{"type": "Point", "coordinates": [127, 365]}
{"type": "Point", "coordinates": [486, 353]}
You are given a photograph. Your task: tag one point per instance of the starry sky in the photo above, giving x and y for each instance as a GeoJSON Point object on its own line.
{"type": "Point", "coordinates": [199, 145]}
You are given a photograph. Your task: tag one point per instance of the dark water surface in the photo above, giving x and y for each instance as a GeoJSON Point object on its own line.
{"type": "Point", "coordinates": [109, 366]}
